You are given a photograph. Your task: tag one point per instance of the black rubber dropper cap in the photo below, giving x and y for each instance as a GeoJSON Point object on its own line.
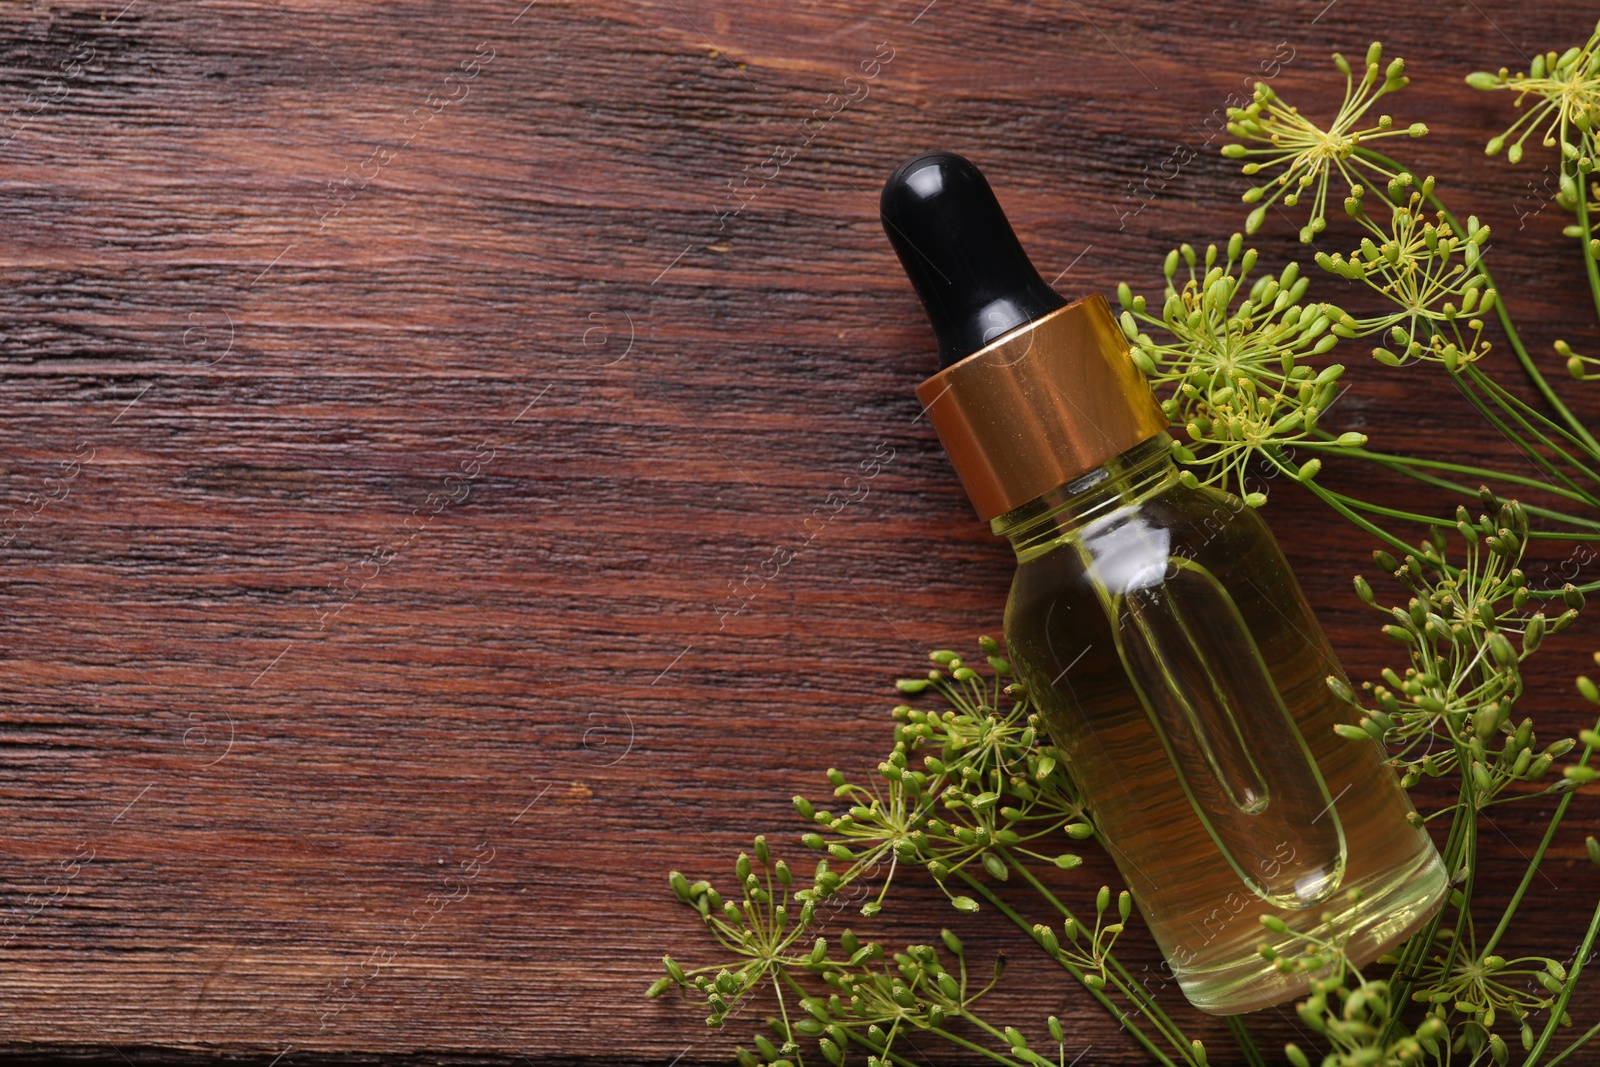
{"type": "Point", "coordinates": [960, 253]}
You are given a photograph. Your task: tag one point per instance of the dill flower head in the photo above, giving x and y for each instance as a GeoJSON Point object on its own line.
{"type": "Point", "coordinates": [1426, 270]}
{"type": "Point", "coordinates": [1232, 367]}
{"type": "Point", "coordinates": [1565, 90]}
{"type": "Point", "coordinates": [1276, 137]}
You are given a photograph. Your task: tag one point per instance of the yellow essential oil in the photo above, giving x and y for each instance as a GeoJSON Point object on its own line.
{"type": "Point", "coordinates": [1157, 627]}
{"type": "Point", "coordinates": [1183, 677]}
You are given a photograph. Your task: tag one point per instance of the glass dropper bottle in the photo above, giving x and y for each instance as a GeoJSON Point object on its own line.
{"type": "Point", "coordinates": [1158, 629]}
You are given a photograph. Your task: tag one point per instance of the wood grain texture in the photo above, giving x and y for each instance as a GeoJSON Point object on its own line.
{"type": "Point", "coordinates": [390, 401]}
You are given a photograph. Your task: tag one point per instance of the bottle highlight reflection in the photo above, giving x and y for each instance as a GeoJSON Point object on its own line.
{"type": "Point", "coordinates": [1157, 627]}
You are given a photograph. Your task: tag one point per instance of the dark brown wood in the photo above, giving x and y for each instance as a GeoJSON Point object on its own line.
{"type": "Point", "coordinates": [393, 394]}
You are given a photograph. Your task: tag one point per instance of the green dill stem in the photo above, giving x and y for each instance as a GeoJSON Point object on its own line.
{"type": "Point", "coordinates": [1405, 465]}
{"type": "Point", "coordinates": [1241, 1036]}
{"type": "Point", "coordinates": [1523, 358]}
{"type": "Point", "coordinates": [1559, 535]}
{"type": "Point", "coordinates": [1532, 509]}
{"type": "Point", "coordinates": [1527, 878]}
{"type": "Point", "coordinates": [1550, 594]}
{"type": "Point", "coordinates": [1560, 1006]}
{"type": "Point", "coordinates": [1513, 404]}
{"type": "Point", "coordinates": [1417, 947]}
{"type": "Point", "coordinates": [1469, 847]}
{"type": "Point", "coordinates": [1527, 450]}
{"type": "Point", "coordinates": [1575, 1046]}
{"type": "Point", "coordinates": [1585, 236]}
{"type": "Point", "coordinates": [1467, 801]}
{"type": "Point", "coordinates": [973, 1019]}
{"type": "Point", "coordinates": [963, 1042]}
{"type": "Point", "coordinates": [1105, 1002]}
{"type": "Point", "coordinates": [1125, 982]}
{"type": "Point", "coordinates": [1405, 462]}
{"type": "Point", "coordinates": [1386, 512]}
{"type": "Point", "coordinates": [1504, 314]}
{"type": "Point", "coordinates": [783, 1011]}
{"type": "Point", "coordinates": [1333, 500]}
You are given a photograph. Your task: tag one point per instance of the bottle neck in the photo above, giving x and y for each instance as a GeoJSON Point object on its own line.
{"type": "Point", "coordinates": [1048, 519]}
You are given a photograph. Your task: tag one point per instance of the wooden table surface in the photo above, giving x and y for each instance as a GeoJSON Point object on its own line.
{"type": "Point", "coordinates": [395, 397]}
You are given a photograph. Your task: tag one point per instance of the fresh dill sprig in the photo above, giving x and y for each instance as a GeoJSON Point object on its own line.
{"type": "Point", "coordinates": [1414, 265]}
{"type": "Point", "coordinates": [1565, 90]}
{"type": "Point", "coordinates": [1234, 375]}
{"type": "Point", "coordinates": [1430, 268]}
{"type": "Point", "coordinates": [985, 781]}
{"type": "Point", "coordinates": [1565, 93]}
{"type": "Point", "coordinates": [1351, 1012]}
{"type": "Point", "coordinates": [1454, 702]}
{"type": "Point", "coordinates": [871, 997]}
{"type": "Point", "coordinates": [1274, 135]}
{"type": "Point", "coordinates": [971, 795]}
